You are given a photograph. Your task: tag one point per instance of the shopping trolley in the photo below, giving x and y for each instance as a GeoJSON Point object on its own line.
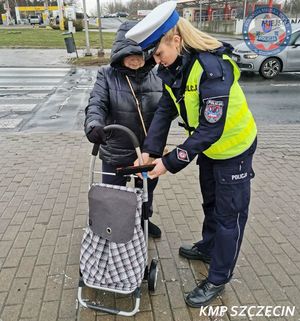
{"type": "Point", "coordinates": [114, 247]}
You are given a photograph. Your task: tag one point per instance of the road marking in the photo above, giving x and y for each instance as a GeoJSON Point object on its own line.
{"type": "Point", "coordinates": [37, 80]}
{"type": "Point", "coordinates": [23, 89]}
{"type": "Point", "coordinates": [84, 87]}
{"type": "Point", "coordinates": [17, 108]}
{"type": "Point", "coordinates": [22, 96]}
{"type": "Point", "coordinates": [286, 85]}
{"type": "Point", "coordinates": [33, 70]}
{"type": "Point", "coordinates": [27, 88]}
{"type": "Point", "coordinates": [10, 123]}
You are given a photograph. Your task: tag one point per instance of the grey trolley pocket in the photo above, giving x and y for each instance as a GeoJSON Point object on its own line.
{"type": "Point", "coordinates": [112, 213]}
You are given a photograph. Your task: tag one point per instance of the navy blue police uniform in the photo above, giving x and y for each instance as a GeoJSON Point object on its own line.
{"type": "Point", "coordinates": [225, 207]}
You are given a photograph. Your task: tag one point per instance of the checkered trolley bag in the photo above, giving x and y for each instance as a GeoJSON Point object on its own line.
{"type": "Point", "coordinates": [114, 246]}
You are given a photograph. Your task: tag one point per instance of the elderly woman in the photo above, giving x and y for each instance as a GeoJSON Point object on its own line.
{"type": "Point", "coordinates": [126, 92]}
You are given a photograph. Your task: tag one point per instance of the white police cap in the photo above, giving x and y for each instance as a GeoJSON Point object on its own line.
{"type": "Point", "coordinates": [155, 25]}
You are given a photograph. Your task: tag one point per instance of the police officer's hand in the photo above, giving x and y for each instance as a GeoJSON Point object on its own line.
{"type": "Point", "coordinates": [158, 170]}
{"type": "Point", "coordinates": [97, 135]}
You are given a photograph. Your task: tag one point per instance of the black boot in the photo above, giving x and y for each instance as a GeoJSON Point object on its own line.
{"type": "Point", "coordinates": [204, 293]}
{"type": "Point", "coordinates": [153, 230]}
{"type": "Point", "coordinates": [191, 252]}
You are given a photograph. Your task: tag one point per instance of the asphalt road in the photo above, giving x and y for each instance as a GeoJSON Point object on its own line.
{"type": "Point", "coordinates": [273, 101]}
{"type": "Point", "coordinates": [53, 99]}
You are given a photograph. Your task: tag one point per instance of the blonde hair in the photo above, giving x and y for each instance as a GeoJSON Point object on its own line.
{"type": "Point", "coordinates": [191, 37]}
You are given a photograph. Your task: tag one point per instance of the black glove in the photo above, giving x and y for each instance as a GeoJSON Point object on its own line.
{"type": "Point", "coordinates": [97, 135]}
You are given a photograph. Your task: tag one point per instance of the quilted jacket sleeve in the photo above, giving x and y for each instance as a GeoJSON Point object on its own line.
{"type": "Point", "coordinates": [97, 109]}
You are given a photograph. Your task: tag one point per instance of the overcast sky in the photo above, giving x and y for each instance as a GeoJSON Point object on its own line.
{"type": "Point", "coordinates": [91, 5]}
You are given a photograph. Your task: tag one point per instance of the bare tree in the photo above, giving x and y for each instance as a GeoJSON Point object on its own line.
{"type": "Point", "coordinates": [292, 8]}
{"type": "Point", "coordinates": [132, 6]}
{"type": "Point", "coordinates": [115, 6]}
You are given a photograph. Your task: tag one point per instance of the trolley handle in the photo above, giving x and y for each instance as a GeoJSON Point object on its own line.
{"type": "Point", "coordinates": [132, 136]}
{"type": "Point", "coordinates": [95, 149]}
{"type": "Point", "coordinates": [129, 132]}
{"type": "Point", "coordinates": [118, 127]}
{"type": "Point", "coordinates": [134, 169]}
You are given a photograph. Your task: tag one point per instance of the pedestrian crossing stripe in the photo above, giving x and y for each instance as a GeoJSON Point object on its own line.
{"type": "Point", "coordinates": [25, 88]}
{"type": "Point", "coordinates": [10, 123]}
{"type": "Point", "coordinates": [17, 108]}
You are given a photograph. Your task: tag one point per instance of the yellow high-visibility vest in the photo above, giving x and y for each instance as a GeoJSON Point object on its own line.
{"type": "Point", "coordinates": [239, 130]}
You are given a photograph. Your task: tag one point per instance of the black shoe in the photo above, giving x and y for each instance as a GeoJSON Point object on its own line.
{"type": "Point", "coordinates": [191, 252]}
{"type": "Point", "coordinates": [153, 230]}
{"type": "Point", "coordinates": [203, 294]}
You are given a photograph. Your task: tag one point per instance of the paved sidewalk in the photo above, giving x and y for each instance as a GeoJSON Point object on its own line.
{"type": "Point", "coordinates": [38, 57]}
{"type": "Point", "coordinates": [43, 207]}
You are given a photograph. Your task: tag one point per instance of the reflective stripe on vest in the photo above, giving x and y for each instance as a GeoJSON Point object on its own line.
{"type": "Point", "coordinates": [239, 128]}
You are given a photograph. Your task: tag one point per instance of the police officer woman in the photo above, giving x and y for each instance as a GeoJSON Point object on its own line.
{"type": "Point", "coordinates": [201, 85]}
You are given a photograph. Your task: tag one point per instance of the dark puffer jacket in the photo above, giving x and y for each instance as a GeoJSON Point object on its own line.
{"type": "Point", "coordinates": [112, 102]}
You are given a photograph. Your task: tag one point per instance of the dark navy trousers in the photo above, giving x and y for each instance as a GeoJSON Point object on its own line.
{"type": "Point", "coordinates": [225, 187]}
{"type": "Point", "coordinates": [120, 180]}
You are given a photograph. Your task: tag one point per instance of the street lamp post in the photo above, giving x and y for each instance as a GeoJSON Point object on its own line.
{"type": "Point", "coordinates": [200, 14]}
{"type": "Point", "coordinates": [86, 27]}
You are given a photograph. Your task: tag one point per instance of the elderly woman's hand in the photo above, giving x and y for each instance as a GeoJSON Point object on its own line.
{"type": "Point", "coordinates": [158, 170]}
{"type": "Point", "coordinates": [146, 160]}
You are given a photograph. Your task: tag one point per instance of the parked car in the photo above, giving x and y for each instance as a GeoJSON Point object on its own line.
{"type": "Point", "coordinates": [122, 14]}
{"type": "Point", "coordinates": [270, 66]}
{"type": "Point", "coordinates": [116, 15]}
{"type": "Point", "coordinates": [35, 20]}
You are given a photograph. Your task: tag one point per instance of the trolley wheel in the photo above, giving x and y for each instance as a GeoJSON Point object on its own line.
{"type": "Point", "coordinates": [152, 276]}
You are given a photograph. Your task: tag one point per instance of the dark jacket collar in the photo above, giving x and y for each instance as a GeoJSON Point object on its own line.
{"type": "Point", "coordinates": [173, 74]}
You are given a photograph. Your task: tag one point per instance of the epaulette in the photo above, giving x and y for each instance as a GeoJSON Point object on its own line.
{"type": "Point", "coordinates": [211, 64]}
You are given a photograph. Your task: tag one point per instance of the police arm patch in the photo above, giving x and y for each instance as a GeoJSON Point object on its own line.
{"type": "Point", "coordinates": [213, 110]}
{"type": "Point", "coordinates": [182, 155]}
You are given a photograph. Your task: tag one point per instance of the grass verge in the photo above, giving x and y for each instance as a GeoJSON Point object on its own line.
{"type": "Point", "coordinates": [89, 61]}
{"type": "Point", "coordinates": [48, 38]}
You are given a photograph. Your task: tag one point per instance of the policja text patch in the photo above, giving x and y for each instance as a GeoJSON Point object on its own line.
{"type": "Point", "coordinates": [213, 110]}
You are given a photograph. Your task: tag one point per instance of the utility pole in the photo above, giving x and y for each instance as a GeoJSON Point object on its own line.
{"type": "Point", "coordinates": [46, 13]}
{"type": "Point", "coordinates": [86, 27]}
{"type": "Point", "coordinates": [291, 9]}
{"type": "Point", "coordinates": [245, 9]}
{"type": "Point", "coordinates": [101, 50]}
{"type": "Point", "coordinates": [7, 8]}
{"type": "Point", "coordinates": [200, 13]}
